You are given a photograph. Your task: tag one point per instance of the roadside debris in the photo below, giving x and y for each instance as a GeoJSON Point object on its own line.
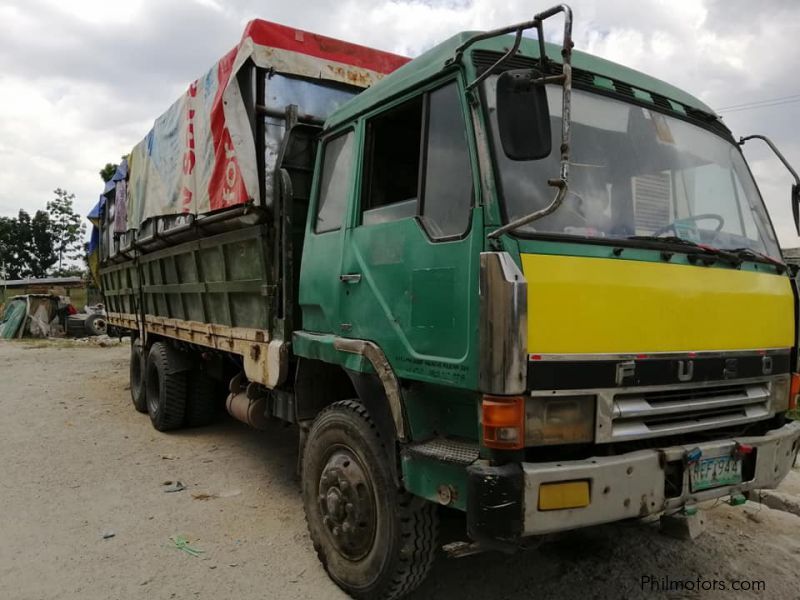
{"type": "Point", "coordinates": [686, 525]}
{"type": "Point", "coordinates": [753, 516]}
{"type": "Point", "coordinates": [210, 496]}
{"type": "Point", "coordinates": [30, 315]}
{"type": "Point", "coordinates": [181, 543]}
{"type": "Point", "coordinates": [107, 535]}
{"type": "Point", "coordinates": [778, 500]}
{"type": "Point", "coordinates": [171, 487]}
{"type": "Point", "coordinates": [203, 496]}
{"type": "Point", "coordinates": [50, 316]}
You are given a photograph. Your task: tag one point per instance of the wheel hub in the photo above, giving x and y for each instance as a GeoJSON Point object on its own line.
{"type": "Point", "coordinates": [347, 504]}
{"type": "Point", "coordinates": [334, 503]}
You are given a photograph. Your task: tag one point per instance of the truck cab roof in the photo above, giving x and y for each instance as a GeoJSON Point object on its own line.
{"type": "Point", "coordinates": [587, 69]}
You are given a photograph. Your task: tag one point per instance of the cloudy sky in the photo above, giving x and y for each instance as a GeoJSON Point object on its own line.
{"type": "Point", "coordinates": [82, 80]}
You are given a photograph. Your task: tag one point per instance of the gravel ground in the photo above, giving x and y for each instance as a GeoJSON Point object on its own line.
{"type": "Point", "coordinates": [79, 464]}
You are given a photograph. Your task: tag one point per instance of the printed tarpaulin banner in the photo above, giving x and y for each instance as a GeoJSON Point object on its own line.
{"type": "Point", "coordinates": [200, 155]}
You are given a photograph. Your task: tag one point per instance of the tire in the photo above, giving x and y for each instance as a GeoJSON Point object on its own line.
{"type": "Point", "coordinates": [203, 398]}
{"type": "Point", "coordinates": [137, 372]}
{"type": "Point", "coordinates": [75, 327]}
{"type": "Point", "coordinates": [95, 325]}
{"type": "Point", "coordinates": [166, 388]}
{"type": "Point", "coordinates": [374, 540]}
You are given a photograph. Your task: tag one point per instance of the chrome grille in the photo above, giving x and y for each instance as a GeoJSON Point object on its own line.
{"type": "Point", "coordinates": [640, 415]}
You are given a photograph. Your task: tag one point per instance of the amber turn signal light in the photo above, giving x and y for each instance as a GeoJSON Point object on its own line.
{"type": "Point", "coordinates": [794, 390]}
{"type": "Point", "coordinates": [503, 421]}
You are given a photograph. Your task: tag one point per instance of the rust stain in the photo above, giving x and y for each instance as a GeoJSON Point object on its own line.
{"type": "Point", "coordinates": [358, 77]}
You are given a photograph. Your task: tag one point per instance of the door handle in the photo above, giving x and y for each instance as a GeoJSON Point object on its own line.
{"type": "Point", "coordinates": [350, 277]}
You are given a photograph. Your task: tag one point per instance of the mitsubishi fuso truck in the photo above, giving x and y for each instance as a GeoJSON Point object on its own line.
{"type": "Point", "coordinates": [506, 277]}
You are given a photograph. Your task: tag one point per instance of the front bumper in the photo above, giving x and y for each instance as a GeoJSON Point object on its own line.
{"type": "Point", "coordinates": [503, 502]}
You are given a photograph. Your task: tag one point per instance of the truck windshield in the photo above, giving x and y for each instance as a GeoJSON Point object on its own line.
{"type": "Point", "coordinates": [636, 173]}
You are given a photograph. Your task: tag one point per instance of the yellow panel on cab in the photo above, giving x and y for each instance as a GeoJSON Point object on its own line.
{"type": "Point", "coordinates": [582, 305]}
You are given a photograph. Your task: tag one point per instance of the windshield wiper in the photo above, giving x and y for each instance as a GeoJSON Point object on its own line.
{"type": "Point", "coordinates": [662, 239]}
{"type": "Point", "coordinates": [757, 256]}
{"type": "Point", "coordinates": [730, 257]}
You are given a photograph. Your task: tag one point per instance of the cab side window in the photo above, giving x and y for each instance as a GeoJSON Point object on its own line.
{"type": "Point", "coordinates": [417, 165]}
{"type": "Point", "coordinates": [337, 162]}
{"type": "Point", "coordinates": [392, 164]}
{"type": "Point", "coordinates": [447, 195]}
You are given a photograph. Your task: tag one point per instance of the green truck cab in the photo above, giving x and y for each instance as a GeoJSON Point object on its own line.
{"type": "Point", "coordinates": [525, 283]}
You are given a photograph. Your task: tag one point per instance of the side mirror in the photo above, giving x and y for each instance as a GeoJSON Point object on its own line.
{"type": "Point", "coordinates": [795, 187]}
{"type": "Point", "coordinates": [523, 117]}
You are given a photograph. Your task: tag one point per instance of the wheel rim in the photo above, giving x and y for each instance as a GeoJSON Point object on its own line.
{"type": "Point", "coordinates": [347, 504]}
{"type": "Point", "coordinates": [100, 326]}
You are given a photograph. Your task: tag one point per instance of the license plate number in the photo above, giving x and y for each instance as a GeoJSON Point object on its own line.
{"type": "Point", "coordinates": [709, 473]}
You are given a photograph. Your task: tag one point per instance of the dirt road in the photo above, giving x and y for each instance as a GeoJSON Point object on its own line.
{"type": "Point", "coordinates": [78, 464]}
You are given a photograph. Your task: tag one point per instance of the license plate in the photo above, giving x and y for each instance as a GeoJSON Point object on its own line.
{"type": "Point", "coordinates": [709, 473]}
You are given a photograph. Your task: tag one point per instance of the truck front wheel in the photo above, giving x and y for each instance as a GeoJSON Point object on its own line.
{"type": "Point", "coordinates": [374, 540]}
{"type": "Point", "coordinates": [166, 388]}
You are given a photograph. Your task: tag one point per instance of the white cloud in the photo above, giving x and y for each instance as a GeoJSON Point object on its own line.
{"type": "Point", "coordinates": [83, 80]}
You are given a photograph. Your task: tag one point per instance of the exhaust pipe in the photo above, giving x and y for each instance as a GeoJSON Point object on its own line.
{"type": "Point", "coordinates": [249, 405]}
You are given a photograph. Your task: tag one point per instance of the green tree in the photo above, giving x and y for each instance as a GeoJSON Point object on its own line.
{"type": "Point", "coordinates": [26, 245]}
{"type": "Point", "coordinates": [10, 247]}
{"type": "Point", "coordinates": [41, 245]}
{"type": "Point", "coordinates": [67, 228]}
{"type": "Point", "coordinates": [108, 171]}
{"type": "Point", "coordinates": [22, 243]}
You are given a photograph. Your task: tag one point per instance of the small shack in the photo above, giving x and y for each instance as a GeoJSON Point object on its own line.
{"type": "Point", "coordinates": [74, 287]}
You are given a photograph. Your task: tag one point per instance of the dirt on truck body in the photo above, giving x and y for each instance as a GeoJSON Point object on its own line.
{"type": "Point", "coordinates": [506, 278]}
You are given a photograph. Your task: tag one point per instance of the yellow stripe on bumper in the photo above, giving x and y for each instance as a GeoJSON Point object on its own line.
{"type": "Point", "coordinates": [566, 494]}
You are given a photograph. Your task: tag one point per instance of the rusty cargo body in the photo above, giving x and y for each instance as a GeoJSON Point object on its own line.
{"type": "Point", "coordinates": [215, 291]}
{"type": "Point", "coordinates": [206, 256]}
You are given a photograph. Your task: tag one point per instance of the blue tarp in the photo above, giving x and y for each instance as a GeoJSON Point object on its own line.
{"type": "Point", "coordinates": [120, 174]}
{"type": "Point", "coordinates": [94, 217]}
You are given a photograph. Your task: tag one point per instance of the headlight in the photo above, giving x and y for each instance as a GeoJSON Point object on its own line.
{"type": "Point", "coordinates": [559, 420]}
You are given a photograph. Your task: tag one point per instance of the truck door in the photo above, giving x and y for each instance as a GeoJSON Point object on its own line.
{"type": "Point", "coordinates": [319, 290]}
{"type": "Point", "coordinates": [409, 276]}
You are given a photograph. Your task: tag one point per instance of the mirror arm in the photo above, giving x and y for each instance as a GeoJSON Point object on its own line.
{"type": "Point", "coordinates": [501, 60]}
{"type": "Point", "coordinates": [777, 152]}
{"type": "Point", "coordinates": [562, 183]}
{"type": "Point", "coordinates": [560, 195]}
{"type": "Point", "coordinates": [535, 23]}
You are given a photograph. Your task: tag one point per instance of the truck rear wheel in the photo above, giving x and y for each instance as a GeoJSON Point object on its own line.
{"type": "Point", "coordinates": [137, 370]}
{"type": "Point", "coordinates": [203, 399]}
{"type": "Point", "coordinates": [166, 388]}
{"type": "Point", "coordinates": [374, 540]}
